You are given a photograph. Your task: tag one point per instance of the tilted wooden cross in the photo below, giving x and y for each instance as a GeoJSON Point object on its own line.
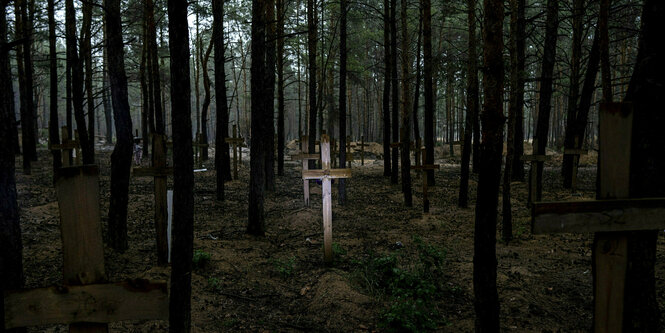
{"type": "Point", "coordinates": [305, 158]}
{"type": "Point", "coordinates": [424, 168]}
{"type": "Point", "coordinates": [362, 145]}
{"type": "Point", "coordinates": [237, 142]}
{"type": "Point", "coordinates": [199, 145]}
{"type": "Point", "coordinates": [159, 171]}
{"type": "Point", "coordinates": [609, 218]}
{"type": "Point", "coordinates": [67, 146]}
{"type": "Point", "coordinates": [349, 153]}
{"type": "Point", "coordinates": [576, 158]}
{"type": "Point", "coordinates": [534, 193]}
{"type": "Point", "coordinates": [85, 301]}
{"type": "Point", "coordinates": [326, 174]}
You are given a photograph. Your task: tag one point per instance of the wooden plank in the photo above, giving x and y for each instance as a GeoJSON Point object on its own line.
{"type": "Point", "coordinates": [327, 201]}
{"type": "Point", "coordinates": [69, 145]}
{"type": "Point", "coordinates": [536, 158]}
{"type": "Point", "coordinates": [303, 156]}
{"type": "Point", "coordinates": [152, 172]}
{"type": "Point", "coordinates": [329, 174]}
{"type": "Point", "coordinates": [616, 126]}
{"type": "Point", "coordinates": [611, 253]}
{"type": "Point", "coordinates": [575, 151]}
{"type": "Point", "coordinates": [305, 167]}
{"type": "Point", "coordinates": [93, 303]}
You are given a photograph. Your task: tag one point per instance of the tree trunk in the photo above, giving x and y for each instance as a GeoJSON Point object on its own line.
{"type": "Point", "coordinates": [486, 300]}
{"type": "Point", "coordinates": [342, 98]}
{"type": "Point", "coordinates": [428, 87]}
{"type": "Point", "coordinates": [206, 100]}
{"type": "Point", "coordinates": [395, 92]}
{"type": "Point", "coordinates": [603, 27]}
{"type": "Point", "coordinates": [311, 54]}
{"type": "Point", "coordinates": [416, 95]}
{"type": "Point", "coordinates": [153, 70]}
{"type": "Point", "coordinates": [270, 98]}
{"type": "Point", "coordinates": [183, 164]}
{"type": "Point", "coordinates": [647, 93]}
{"type": "Point", "coordinates": [588, 89]}
{"type": "Point", "coordinates": [545, 102]}
{"type": "Point", "coordinates": [472, 108]}
{"type": "Point", "coordinates": [405, 131]}
{"type": "Point", "coordinates": [280, 87]}
{"type": "Point", "coordinates": [222, 159]}
{"type": "Point", "coordinates": [257, 179]}
{"type": "Point", "coordinates": [121, 158]}
{"type": "Point", "coordinates": [24, 69]}
{"type": "Point", "coordinates": [86, 56]}
{"type": "Point", "coordinates": [53, 127]}
{"type": "Point", "coordinates": [146, 104]}
{"type": "Point", "coordinates": [11, 248]}
{"type": "Point", "coordinates": [517, 41]}
{"type": "Point", "coordinates": [386, 90]}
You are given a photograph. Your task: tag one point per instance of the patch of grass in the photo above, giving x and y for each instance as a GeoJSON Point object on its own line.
{"type": "Point", "coordinates": [338, 250]}
{"type": "Point", "coordinates": [214, 284]}
{"type": "Point", "coordinates": [411, 280]}
{"type": "Point", "coordinates": [201, 259]}
{"type": "Point", "coordinates": [284, 267]}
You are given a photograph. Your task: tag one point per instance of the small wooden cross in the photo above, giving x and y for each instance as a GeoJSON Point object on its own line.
{"type": "Point", "coordinates": [610, 217]}
{"type": "Point", "coordinates": [84, 301]}
{"type": "Point", "coordinates": [159, 171]}
{"type": "Point", "coordinates": [362, 145]}
{"type": "Point", "coordinates": [576, 158]}
{"type": "Point", "coordinates": [424, 168]}
{"type": "Point", "coordinates": [534, 194]}
{"type": "Point", "coordinates": [67, 146]}
{"type": "Point", "coordinates": [349, 153]}
{"type": "Point", "coordinates": [237, 142]}
{"type": "Point", "coordinates": [326, 174]}
{"type": "Point", "coordinates": [305, 158]}
{"type": "Point", "coordinates": [199, 145]}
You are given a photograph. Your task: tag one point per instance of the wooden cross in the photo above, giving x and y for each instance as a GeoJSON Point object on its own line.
{"type": "Point", "coordinates": [576, 158]}
{"type": "Point", "coordinates": [349, 154]}
{"type": "Point", "coordinates": [159, 171]}
{"type": "Point", "coordinates": [610, 217]}
{"type": "Point", "coordinates": [237, 142]}
{"type": "Point", "coordinates": [362, 149]}
{"type": "Point", "coordinates": [84, 301]}
{"type": "Point", "coordinates": [305, 157]}
{"type": "Point", "coordinates": [534, 194]}
{"type": "Point", "coordinates": [424, 168]}
{"type": "Point", "coordinates": [326, 174]}
{"type": "Point", "coordinates": [67, 146]}
{"type": "Point", "coordinates": [198, 152]}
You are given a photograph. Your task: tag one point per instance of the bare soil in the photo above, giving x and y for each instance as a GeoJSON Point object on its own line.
{"type": "Point", "coordinates": [278, 283]}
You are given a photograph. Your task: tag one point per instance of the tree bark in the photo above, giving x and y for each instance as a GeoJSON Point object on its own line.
{"type": "Point", "coordinates": [605, 73]}
{"type": "Point", "coordinates": [486, 300]}
{"type": "Point", "coordinates": [206, 100]}
{"type": "Point", "coordinates": [517, 41]}
{"type": "Point", "coordinates": [342, 97]}
{"type": "Point", "coordinates": [24, 70]}
{"type": "Point", "coordinates": [53, 127]}
{"type": "Point", "coordinates": [183, 164]}
{"type": "Point", "coordinates": [395, 93]}
{"type": "Point", "coordinates": [121, 158]}
{"type": "Point", "coordinates": [86, 56]}
{"type": "Point", "coordinates": [647, 94]}
{"type": "Point", "coordinates": [280, 87]}
{"type": "Point", "coordinates": [416, 94]}
{"type": "Point", "coordinates": [222, 159]}
{"type": "Point", "coordinates": [405, 131]}
{"type": "Point", "coordinates": [472, 108]}
{"type": "Point", "coordinates": [270, 98]}
{"type": "Point", "coordinates": [311, 54]}
{"type": "Point", "coordinates": [386, 90]}
{"type": "Point", "coordinates": [155, 80]}
{"type": "Point", "coordinates": [428, 87]}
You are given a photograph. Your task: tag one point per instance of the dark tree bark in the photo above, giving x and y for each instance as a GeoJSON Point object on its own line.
{"type": "Point", "coordinates": [280, 87]}
{"type": "Point", "coordinates": [342, 97]}
{"type": "Point", "coordinates": [472, 108]}
{"type": "Point", "coordinates": [311, 54]}
{"type": "Point", "coordinates": [257, 179]}
{"type": "Point", "coordinates": [395, 93]}
{"type": "Point", "coordinates": [486, 300]}
{"type": "Point", "coordinates": [588, 89]}
{"type": "Point", "coordinates": [270, 98]}
{"type": "Point", "coordinates": [405, 131]}
{"type": "Point", "coordinates": [86, 56]}
{"type": "Point", "coordinates": [222, 159]}
{"type": "Point", "coordinates": [206, 100]}
{"type": "Point", "coordinates": [146, 104]}
{"type": "Point", "coordinates": [573, 93]}
{"type": "Point", "coordinates": [153, 70]}
{"type": "Point", "coordinates": [545, 103]}
{"type": "Point", "coordinates": [11, 248]}
{"type": "Point", "coordinates": [121, 158]}
{"type": "Point", "coordinates": [386, 89]}
{"type": "Point", "coordinates": [517, 59]}
{"type": "Point", "coordinates": [87, 149]}
{"type": "Point", "coordinates": [647, 93]}
{"type": "Point", "coordinates": [108, 110]}
{"type": "Point", "coordinates": [605, 73]}
{"type": "Point", "coordinates": [183, 164]}
{"type": "Point", "coordinates": [53, 127]}
{"type": "Point", "coordinates": [428, 87]}
{"type": "Point", "coordinates": [24, 69]}
{"type": "Point", "coordinates": [416, 94]}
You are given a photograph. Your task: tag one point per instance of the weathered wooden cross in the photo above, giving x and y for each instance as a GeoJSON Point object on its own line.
{"type": "Point", "coordinates": [349, 153]}
{"type": "Point", "coordinates": [362, 145]}
{"type": "Point", "coordinates": [576, 158]}
{"type": "Point", "coordinates": [424, 168]}
{"type": "Point", "coordinates": [199, 145]}
{"type": "Point", "coordinates": [326, 174]}
{"type": "Point", "coordinates": [305, 158]}
{"type": "Point", "coordinates": [67, 146]}
{"type": "Point", "coordinates": [85, 301]}
{"type": "Point", "coordinates": [237, 142]}
{"type": "Point", "coordinates": [159, 171]}
{"type": "Point", "coordinates": [535, 192]}
{"type": "Point", "coordinates": [609, 218]}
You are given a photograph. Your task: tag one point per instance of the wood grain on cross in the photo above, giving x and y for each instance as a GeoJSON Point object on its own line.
{"type": "Point", "coordinates": [84, 301]}
{"type": "Point", "coordinates": [237, 142]}
{"type": "Point", "coordinates": [534, 193]}
{"type": "Point", "coordinates": [576, 153]}
{"type": "Point", "coordinates": [326, 174]}
{"type": "Point", "coordinates": [159, 171]}
{"type": "Point", "coordinates": [424, 168]}
{"type": "Point", "coordinates": [67, 146]}
{"type": "Point", "coordinates": [610, 217]}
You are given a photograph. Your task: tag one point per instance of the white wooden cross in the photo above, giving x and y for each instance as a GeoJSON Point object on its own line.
{"type": "Point", "coordinates": [67, 146]}
{"type": "Point", "coordinates": [424, 168]}
{"type": "Point", "coordinates": [85, 301]}
{"type": "Point", "coordinates": [237, 142]}
{"type": "Point", "coordinates": [609, 218]}
{"type": "Point", "coordinates": [326, 174]}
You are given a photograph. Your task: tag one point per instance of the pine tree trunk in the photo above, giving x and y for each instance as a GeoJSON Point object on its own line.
{"type": "Point", "coordinates": [472, 108]}
{"type": "Point", "coordinates": [606, 72]}
{"type": "Point", "coordinates": [405, 130]}
{"type": "Point", "coordinates": [121, 158]}
{"type": "Point", "coordinates": [206, 100]}
{"type": "Point", "coordinates": [53, 127]}
{"type": "Point", "coordinates": [155, 80]}
{"type": "Point", "coordinates": [311, 54]}
{"type": "Point", "coordinates": [183, 164]}
{"type": "Point", "coordinates": [588, 89]}
{"type": "Point", "coordinates": [416, 95]}
{"type": "Point", "coordinates": [280, 87]}
{"type": "Point", "coordinates": [517, 41]}
{"type": "Point", "coordinates": [428, 87]}
{"type": "Point", "coordinates": [222, 159]}
{"type": "Point", "coordinates": [270, 98]}
{"type": "Point", "coordinates": [86, 56]}
{"type": "Point", "coordinates": [386, 90]}
{"type": "Point", "coordinates": [395, 90]}
{"type": "Point", "coordinates": [486, 300]}
{"type": "Point", "coordinates": [24, 70]}
{"type": "Point", "coordinates": [342, 97]}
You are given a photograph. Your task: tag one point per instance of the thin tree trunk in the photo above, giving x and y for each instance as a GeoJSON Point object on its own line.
{"type": "Point", "coordinates": [24, 70]}
{"type": "Point", "coordinates": [386, 90]}
{"type": "Point", "coordinates": [222, 121]}
{"type": "Point", "coordinates": [428, 87]}
{"type": "Point", "coordinates": [108, 110]}
{"type": "Point", "coordinates": [183, 164]}
{"type": "Point", "coordinates": [146, 105]}
{"type": "Point", "coordinates": [405, 136]}
{"type": "Point", "coordinates": [342, 97]}
{"type": "Point", "coordinates": [311, 50]}
{"type": "Point", "coordinates": [486, 300]}
{"type": "Point", "coordinates": [395, 93]}
{"type": "Point", "coordinates": [270, 98]}
{"type": "Point", "coordinates": [280, 86]}
{"type": "Point", "coordinates": [121, 158]}
{"type": "Point", "coordinates": [472, 107]}
{"type": "Point", "coordinates": [86, 56]}
{"type": "Point", "coordinates": [53, 127]}
{"type": "Point", "coordinates": [206, 100]}
{"type": "Point", "coordinates": [518, 32]}
{"type": "Point", "coordinates": [588, 89]}
{"type": "Point", "coordinates": [606, 72]}
{"type": "Point", "coordinates": [416, 95]}
{"type": "Point", "coordinates": [155, 80]}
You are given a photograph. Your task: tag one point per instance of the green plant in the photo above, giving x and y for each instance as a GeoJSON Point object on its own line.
{"type": "Point", "coordinates": [285, 267]}
{"type": "Point", "coordinates": [214, 284]}
{"type": "Point", "coordinates": [338, 250]}
{"type": "Point", "coordinates": [201, 259]}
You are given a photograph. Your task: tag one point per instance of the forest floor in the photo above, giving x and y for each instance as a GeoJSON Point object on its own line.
{"type": "Point", "coordinates": [395, 267]}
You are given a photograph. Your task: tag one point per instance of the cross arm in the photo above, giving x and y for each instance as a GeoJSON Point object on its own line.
{"type": "Point", "coordinates": [93, 303]}
{"type": "Point", "coordinates": [598, 216]}
{"type": "Point", "coordinates": [155, 172]}
{"type": "Point", "coordinates": [305, 157]}
{"type": "Point", "coordinates": [64, 145]}
{"type": "Point", "coordinates": [330, 173]}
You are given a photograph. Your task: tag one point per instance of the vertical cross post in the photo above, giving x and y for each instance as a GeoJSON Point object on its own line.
{"type": "Point", "coordinates": [576, 159]}
{"type": "Point", "coordinates": [424, 168]}
{"type": "Point", "coordinates": [305, 157]}
{"type": "Point", "coordinates": [535, 191]}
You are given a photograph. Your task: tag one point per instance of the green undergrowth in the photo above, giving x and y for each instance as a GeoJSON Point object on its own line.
{"type": "Point", "coordinates": [409, 280]}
